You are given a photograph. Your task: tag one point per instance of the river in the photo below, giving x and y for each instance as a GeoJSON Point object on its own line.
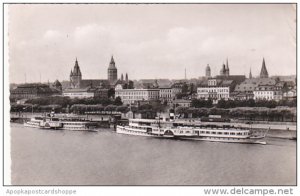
{"type": "Point", "coordinates": [45, 157]}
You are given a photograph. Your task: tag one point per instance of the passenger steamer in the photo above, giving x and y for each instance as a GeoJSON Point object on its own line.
{"type": "Point", "coordinates": [155, 128]}
{"type": "Point", "coordinates": [44, 123]}
{"type": "Point", "coordinates": [69, 123]}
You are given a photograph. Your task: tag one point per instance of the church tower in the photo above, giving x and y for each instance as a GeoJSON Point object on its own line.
{"type": "Point", "coordinates": [250, 74]}
{"type": "Point", "coordinates": [207, 71]}
{"type": "Point", "coordinates": [112, 72]}
{"type": "Point", "coordinates": [227, 68]}
{"type": "Point", "coordinates": [75, 76]}
{"type": "Point", "coordinates": [126, 78]}
{"type": "Point", "coordinates": [223, 70]}
{"type": "Point", "coordinates": [263, 71]}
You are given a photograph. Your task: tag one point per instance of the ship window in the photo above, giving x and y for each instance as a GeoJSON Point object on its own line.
{"type": "Point", "coordinates": [213, 132]}
{"type": "Point", "coordinates": [207, 132]}
{"type": "Point", "coordinates": [220, 133]}
{"type": "Point", "coordinates": [226, 133]}
{"type": "Point", "coordinates": [232, 133]}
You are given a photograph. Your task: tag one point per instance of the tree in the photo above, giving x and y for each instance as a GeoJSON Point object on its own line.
{"type": "Point", "coordinates": [118, 101]}
{"type": "Point", "coordinates": [122, 109]}
{"type": "Point", "coordinates": [110, 108]}
{"type": "Point", "coordinates": [185, 88]}
{"type": "Point", "coordinates": [181, 110]}
{"type": "Point", "coordinates": [111, 92]}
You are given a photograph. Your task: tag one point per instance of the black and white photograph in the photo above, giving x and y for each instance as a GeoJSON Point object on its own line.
{"type": "Point", "coordinates": [171, 94]}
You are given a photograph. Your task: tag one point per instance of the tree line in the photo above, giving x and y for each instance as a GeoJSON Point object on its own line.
{"type": "Point", "coordinates": [199, 103]}
{"type": "Point", "coordinates": [243, 113]}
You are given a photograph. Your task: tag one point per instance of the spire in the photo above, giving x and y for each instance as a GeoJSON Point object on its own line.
{"type": "Point", "coordinates": [222, 71]}
{"type": "Point", "coordinates": [126, 77]}
{"type": "Point", "coordinates": [76, 63]}
{"type": "Point", "coordinates": [71, 73]}
{"type": "Point", "coordinates": [250, 74]}
{"type": "Point", "coordinates": [112, 63]}
{"type": "Point", "coordinates": [263, 71]}
{"type": "Point", "coordinates": [227, 68]}
{"type": "Point", "coordinates": [112, 59]}
{"type": "Point", "coordinates": [122, 78]}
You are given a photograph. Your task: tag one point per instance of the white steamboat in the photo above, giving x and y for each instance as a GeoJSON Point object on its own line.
{"type": "Point", "coordinates": [68, 123]}
{"type": "Point", "coordinates": [188, 131]}
{"type": "Point", "coordinates": [44, 123]}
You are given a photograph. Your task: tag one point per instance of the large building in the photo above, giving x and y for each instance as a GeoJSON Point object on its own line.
{"type": "Point", "coordinates": [33, 90]}
{"type": "Point", "coordinates": [82, 88]}
{"type": "Point", "coordinates": [87, 92]}
{"type": "Point", "coordinates": [244, 90]}
{"type": "Point", "coordinates": [166, 94]}
{"type": "Point", "coordinates": [268, 92]}
{"type": "Point", "coordinates": [76, 81]}
{"type": "Point", "coordinates": [131, 96]}
{"type": "Point", "coordinates": [215, 89]}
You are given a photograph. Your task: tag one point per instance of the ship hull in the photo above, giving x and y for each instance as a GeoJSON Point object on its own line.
{"type": "Point", "coordinates": [248, 140]}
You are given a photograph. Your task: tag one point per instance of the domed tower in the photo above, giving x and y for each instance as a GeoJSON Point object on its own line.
{"type": "Point", "coordinates": [112, 72]}
{"type": "Point", "coordinates": [263, 71]}
{"type": "Point", "coordinates": [207, 71]}
{"type": "Point", "coordinates": [75, 76]}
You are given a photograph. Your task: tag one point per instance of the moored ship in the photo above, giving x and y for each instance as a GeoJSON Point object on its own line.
{"type": "Point", "coordinates": [44, 123]}
{"type": "Point", "coordinates": [66, 123]}
{"type": "Point", "coordinates": [78, 124]}
{"type": "Point", "coordinates": [156, 128]}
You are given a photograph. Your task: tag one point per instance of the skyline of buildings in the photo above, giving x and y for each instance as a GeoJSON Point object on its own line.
{"type": "Point", "coordinates": [112, 75]}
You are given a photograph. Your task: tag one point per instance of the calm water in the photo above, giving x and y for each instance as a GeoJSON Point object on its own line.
{"type": "Point", "coordinates": [43, 157]}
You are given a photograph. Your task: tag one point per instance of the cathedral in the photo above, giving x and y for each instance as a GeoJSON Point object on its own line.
{"type": "Point", "coordinates": [76, 81]}
{"type": "Point", "coordinates": [225, 69]}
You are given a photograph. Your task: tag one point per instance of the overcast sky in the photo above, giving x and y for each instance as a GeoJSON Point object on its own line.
{"type": "Point", "coordinates": [149, 41]}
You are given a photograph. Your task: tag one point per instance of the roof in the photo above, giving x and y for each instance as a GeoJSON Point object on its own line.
{"type": "Point", "coordinates": [251, 84]}
{"type": "Point", "coordinates": [93, 83]}
{"type": "Point", "coordinates": [237, 78]}
{"type": "Point", "coordinates": [56, 83]}
{"type": "Point", "coordinates": [220, 83]}
{"type": "Point", "coordinates": [34, 88]}
{"type": "Point", "coordinates": [267, 88]}
{"type": "Point", "coordinates": [88, 89]}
